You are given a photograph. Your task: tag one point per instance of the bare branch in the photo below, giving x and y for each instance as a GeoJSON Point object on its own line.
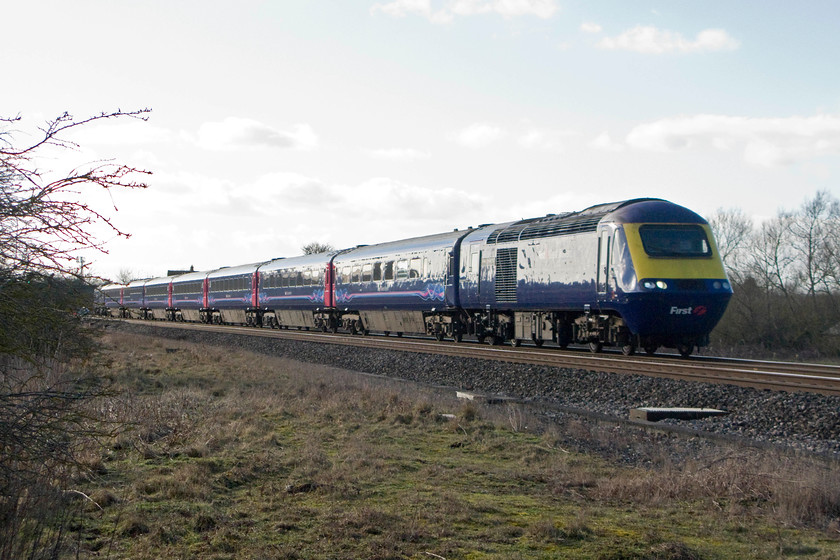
{"type": "Point", "coordinates": [44, 223]}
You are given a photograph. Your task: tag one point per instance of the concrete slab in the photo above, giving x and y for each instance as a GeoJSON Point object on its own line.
{"type": "Point", "coordinates": [653, 414]}
{"type": "Point", "coordinates": [486, 399]}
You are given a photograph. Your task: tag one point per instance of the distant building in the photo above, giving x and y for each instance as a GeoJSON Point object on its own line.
{"type": "Point", "coordinates": [179, 272]}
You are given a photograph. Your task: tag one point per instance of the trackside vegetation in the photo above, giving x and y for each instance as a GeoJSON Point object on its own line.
{"type": "Point", "coordinates": [785, 274]}
{"type": "Point", "coordinates": [46, 384]}
{"type": "Point", "coordinates": [227, 454]}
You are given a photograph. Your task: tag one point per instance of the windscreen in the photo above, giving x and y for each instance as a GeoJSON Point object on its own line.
{"type": "Point", "coordinates": [675, 241]}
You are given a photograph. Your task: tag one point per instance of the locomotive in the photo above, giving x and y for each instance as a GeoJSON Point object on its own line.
{"type": "Point", "coordinates": [636, 274]}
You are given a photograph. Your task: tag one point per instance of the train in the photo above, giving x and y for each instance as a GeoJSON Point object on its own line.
{"type": "Point", "coordinates": [635, 274]}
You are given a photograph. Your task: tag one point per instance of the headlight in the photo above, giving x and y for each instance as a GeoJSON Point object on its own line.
{"type": "Point", "coordinates": [648, 285]}
{"type": "Point", "coordinates": [661, 284]}
{"type": "Point", "coordinates": [716, 285]}
{"type": "Point", "coordinates": [726, 285]}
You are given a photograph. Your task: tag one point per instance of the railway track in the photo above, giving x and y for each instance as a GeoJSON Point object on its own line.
{"type": "Point", "coordinates": [776, 376]}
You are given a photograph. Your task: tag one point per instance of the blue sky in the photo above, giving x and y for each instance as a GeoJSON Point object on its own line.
{"type": "Point", "coordinates": [347, 122]}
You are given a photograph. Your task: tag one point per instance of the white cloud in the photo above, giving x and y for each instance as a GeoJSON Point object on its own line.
{"type": "Point", "coordinates": [605, 143]}
{"type": "Point", "coordinates": [544, 140]}
{"type": "Point", "coordinates": [478, 135]}
{"type": "Point", "coordinates": [590, 27]}
{"type": "Point", "coordinates": [398, 154]}
{"type": "Point", "coordinates": [650, 40]}
{"type": "Point", "coordinates": [445, 14]}
{"type": "Point", "coordinates": [235, 133]}
{"type": "Point", "coordinates": [765, 141]}
{"type": "Point", "coordinates": [402, 8]}
{"type": "Point", "coordinates": [367, 212]}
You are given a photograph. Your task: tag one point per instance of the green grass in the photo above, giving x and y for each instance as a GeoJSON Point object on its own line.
{"type": "Point", "coordinates": [228, 454]}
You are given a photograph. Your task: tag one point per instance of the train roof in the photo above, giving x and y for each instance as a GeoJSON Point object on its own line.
{"type": "Point", "coordinates": [425, 243]}
{"type": "Point", "coordinates": [159, 281]}
{"type": "Point", "coordinates": [315, 259]}
{"type": "Point", "coordinates": [240, 270]}
{"type": "Point", "coordinates": [654, 210]}
{"type": "Point", "coordinates": [190, 277]}
{"type": "Point", "coordinates": [647, 210]}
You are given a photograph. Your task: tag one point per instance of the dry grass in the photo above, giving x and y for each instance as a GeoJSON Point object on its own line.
{"type": "Point", "coordinates": [235, 455]}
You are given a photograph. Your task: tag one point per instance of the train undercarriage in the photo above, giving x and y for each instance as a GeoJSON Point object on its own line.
{"type": "Point", "coordinates": [595, 330]}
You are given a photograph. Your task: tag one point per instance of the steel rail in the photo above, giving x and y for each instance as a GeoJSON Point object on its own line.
{"type": "Point", "coordinates": [777, 376]}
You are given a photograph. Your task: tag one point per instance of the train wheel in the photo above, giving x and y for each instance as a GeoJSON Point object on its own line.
{"type": "Point", "coordinates": [628, 349]}
{"type": "Point", "coordinates": [515, 342]}
{"type": "Point", "coordinates": [595, 347]}
{"type": "Point", "coordinates": [538, 342]}
{"type": "Point", "coordinates": [651, 350]}
{"type": "Point", "coordinates": [439, 336]}
{"type": "Point", "coordinates": [685, 350]}
{"type": "Point", "coordinates": [457, 337]}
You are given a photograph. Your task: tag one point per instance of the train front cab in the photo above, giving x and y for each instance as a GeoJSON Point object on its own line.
{"type": "Point", "coordinates": [660, 284]}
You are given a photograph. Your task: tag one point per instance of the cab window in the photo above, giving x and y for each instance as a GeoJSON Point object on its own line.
{"type": "Point", "coordinates": [675, 241]}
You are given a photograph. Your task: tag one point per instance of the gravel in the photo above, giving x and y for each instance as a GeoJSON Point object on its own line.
{"type": "Point", "coordinates": [801, 421]}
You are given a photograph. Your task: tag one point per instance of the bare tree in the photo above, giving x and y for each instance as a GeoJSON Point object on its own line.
{"type": "Point", "coordinates": [45, 222]}
{"type": "Point", "coordinates": [732, 229]}
{"type": "Point", "coordinates": [126, 275]}
{"type": "Point", "coordinates": [771, 261]}
{"type": "Point", "coordinates": [813, 229]}
{"type": "Point", "coordinates": [315, 247]}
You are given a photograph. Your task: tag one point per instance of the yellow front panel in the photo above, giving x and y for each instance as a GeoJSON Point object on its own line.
{"type": "Point", "coordinates": [666, 267]}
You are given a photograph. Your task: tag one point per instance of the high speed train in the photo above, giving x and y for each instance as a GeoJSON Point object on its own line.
{"type": "Point", "coordinates": [642, 273]}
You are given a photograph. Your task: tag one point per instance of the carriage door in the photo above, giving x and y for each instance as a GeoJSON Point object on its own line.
{"type": "Point", "coordinates": [474, 273]}
{"type": "Point", "coordinates": [603, 271]}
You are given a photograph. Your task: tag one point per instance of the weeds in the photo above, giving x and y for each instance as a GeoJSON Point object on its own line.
{"type": "Point", "coordinates": [301, 461]}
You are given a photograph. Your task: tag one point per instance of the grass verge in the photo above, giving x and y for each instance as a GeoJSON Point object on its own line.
{"type": "Point", "coordinates": [228, 454]}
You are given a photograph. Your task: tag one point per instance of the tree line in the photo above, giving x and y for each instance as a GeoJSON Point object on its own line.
{"type": "Point", "coordinates": [785, 273]}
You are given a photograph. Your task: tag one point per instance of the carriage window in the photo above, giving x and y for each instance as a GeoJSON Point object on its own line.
{"type": "Point", "coordinates": [356, 274]}
{"type": "Point", "coordinates": [402, 269]}
{"type": "Point", "coordinates": [675, 241]}
{"type": "Point", "coordinates": [307, 278]}
{"type": "Point", "coordinates": [389, 270]}
{"type": "Point", "coordinates": [377, 272]}
{"type": "Point", "coordinates": [416, 267]}
{"type": "Point", "coordinates": [367, 272]}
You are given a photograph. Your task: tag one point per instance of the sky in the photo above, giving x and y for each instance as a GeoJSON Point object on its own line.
{"type": "Point", "coordinates": [279, 123]}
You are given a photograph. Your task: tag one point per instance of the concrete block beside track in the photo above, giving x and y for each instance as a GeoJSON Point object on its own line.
{"type": "Point", "coordinates": [654, 414]}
